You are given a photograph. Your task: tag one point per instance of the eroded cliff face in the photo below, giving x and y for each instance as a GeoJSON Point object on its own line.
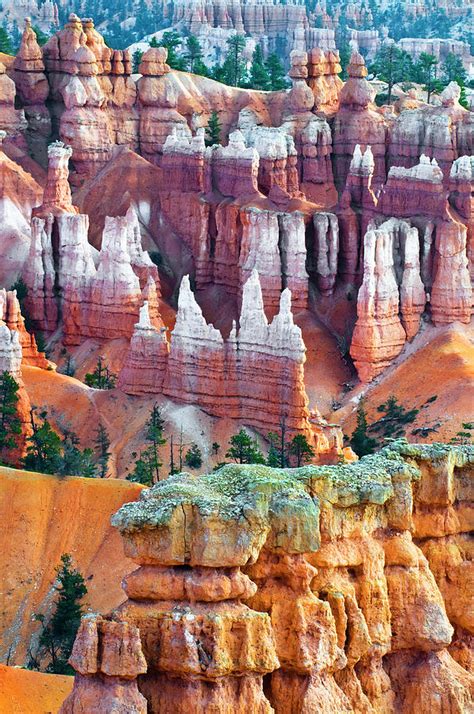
{"type": "Point", "coordinates": [336, 589]}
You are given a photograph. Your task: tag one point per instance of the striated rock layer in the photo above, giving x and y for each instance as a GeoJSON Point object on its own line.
{"type": "Point", "coordinates": [324, 579]}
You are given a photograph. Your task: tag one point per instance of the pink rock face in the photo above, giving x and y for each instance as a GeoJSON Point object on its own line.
{"type": "Point", "coordinates": [238, 377]}
{"type": "Point", "coordinates": [39, 277]}
{"type": "Point", "coordinates": [293, 257]}
{"type": "Point", "coordinates": [12, 120]}
{"type": "Point", "coordinates": [10, 314]}
{"type": "Point", "coordinates": [57, 197]}
{"type": "Point", "coordinates": [460, 190]}
{"type": "Point", "coordinates": [415, 191]}
{"type": "Point", "coordinates": [259, 250]}
{"type": "Point", "coordinates": [326, 250]}
{"type": "Point", "coordinates": [10, 351]}
{"type": "Point", "coordinates": [358, 122]}
{"type": "Point", "coordinates": [451, 294]}
{"type": "Point", "coordinates": [378, 334]}
{"type": "Point", "coordinates": [235, 168]}
{"type": "Point", "coordinates": [146, 362]}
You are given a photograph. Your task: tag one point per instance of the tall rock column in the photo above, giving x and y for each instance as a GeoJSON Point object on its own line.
{"type": "Point", "coordinates": [326, 250]}
{"type": "Point", "coordinates": [451, 294]}
{"type": "Point", "coordinates": [57, 197]}
{"type": "Point", "coordinates": [145, 365]}
{"type": "Point", "coordinates": [40, 276]}
{"type": "Point", "coordinates": [378, 334]}
{"type": "Point", "coordinates": [32, 91]}
{"type": "Point", "coordinates": [196, 361]}
{"type": "Point", "coordinates": [270, 364]}
{"type": "Point", "coordinates": [293, 257]}
{"type": "Point", "coordinates": [259, 251]}
{"type": "Point", "coordinates": [10, 313]}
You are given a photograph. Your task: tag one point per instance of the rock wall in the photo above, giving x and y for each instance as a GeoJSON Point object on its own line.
{"type": "Point", "coordinates": [332, 583]}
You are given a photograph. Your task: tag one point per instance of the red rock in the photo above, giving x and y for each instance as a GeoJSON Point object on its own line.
{"type": "Point", "coordinates": [10, 314]}
{"type": "Point", "coordinates": [378, 335]}
{"type": "Point", "coordinates": [57, 197]}
{"type": "Point", "coordinates": [451, 293]}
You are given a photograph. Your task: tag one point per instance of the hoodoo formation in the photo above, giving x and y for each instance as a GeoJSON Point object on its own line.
{"type": "Point", "coordinates": [247, 289]}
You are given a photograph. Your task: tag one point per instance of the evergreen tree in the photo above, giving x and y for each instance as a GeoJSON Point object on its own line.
{"type": "Point", "coordinates": [74, 461]}
{"type": "Point", "coordinates": [392, 65]}
{"type": "Point", "coordinates": [234, 65]}
{"type": "Point", "coordinates": [10, 425]}
{"type": "Point", "coordinates": [259, 75]}
{"type": "Point", "coordinates": [41, 37]}
{"type": "Point", "coordinates": [58, 635]}
{"type": "Point", "coordinates": [172, 40]}
{"type": "Point", "coordinates": [426, 73]}
{"type": "Point", "coordinates": [213, 130]}
{"type": "Point", "coordinates": [193, 457]}
{"type": "Point", "coordinates": [102, 444]}
{"type": "Point", "coordinates": [193, 56]}
{"type": "Point", "coordinates": [147, 466]}
{"type": "Point", "coordinates": [276, 72]}
{"type": "Point", "coordinates": [43, 452]}
{"type": "Point", "coordinates": [215, 448]}
{"type": "Point", "coordinates": [136, 59]}
{"type": "Point", "coordinates": [101, 377]}
{"type": "Point", "coordinates": [360, 441]}
{"type": "Point", "coordinates": [278, 453]}
{"type": "Point", "coordinates": [301, 449]}
{"type": "Point", "coordinates": [453, 70]}
{"type": "Point", "coordinates": [6, 44]}
{"type": "Point", "coordinates": [244, 450]}
{"type": "Point", "coordinates": [396, 417]}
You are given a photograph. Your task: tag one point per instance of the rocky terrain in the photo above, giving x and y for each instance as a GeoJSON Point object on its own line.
{"type": "Point", "coordinates": [320, 253]}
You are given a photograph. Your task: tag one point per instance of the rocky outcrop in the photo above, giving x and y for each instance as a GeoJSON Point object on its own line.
{"type": "Point", "coordinates": [313, 578]}
{"type": "Point", "coordinates": [358, 122]}
{"type": "Point", "coordinates": [146, 362]}
{"type": "Point", "coordinates": [256, 376]}
{"type": "Point", "coordinates": [451, 294]}
{"type": "Point", "coordinates": [32, 90]}
{"type": "Point", "coordinates": [57, 198]}
{"type": "Point", "coordinates": [10, 314]}
{"type": "Point", "coordinates": [378, 335]}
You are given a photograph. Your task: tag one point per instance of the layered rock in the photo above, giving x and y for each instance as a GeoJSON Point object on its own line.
{"type": "Point", "coordinates": [256, 376]}
{"type": "Point", "coordinates": [235, 168]}
{"type": "Point", "coordinates": [415, 191]}
{"type": "Point", "coordinates": [57, 198]}
{"type": "Point", "coordinates": [451, 294]}
{"type": "Point", "coordinates": [311, 577]}
{"type": "Point", "coordinates": [378, 335]}
{"type": "Point", "coordinates": [39, 276]}
{"type": "Point", "coordinates": [259, 250]}
{"type": "Point", "coordinates": [292, 244]}
{"type": "Point", "coordinates": [12, 120]}
{"type": "Point", "coordinates": [358, 122]}
{"type": "Point", "coordinates": [32, 91]}
{"type": "Point", "coordinates": [19, 193]}
{"type": "Point", "coordinates": [78, 97]}
{"type": "Point", "coordinates": [326, 251]}
{"type": "Point", "coordinates": [159, 116]}
{"type": "Point", "coordinates": [146, 362]}
{"type": "Point", "coordinates": [10, 314]}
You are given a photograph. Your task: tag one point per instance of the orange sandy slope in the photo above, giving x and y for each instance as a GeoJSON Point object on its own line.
{"type": "Point", "coordinates": [41, 518]}
{"type": "Point", "coordinates": [24, 692]}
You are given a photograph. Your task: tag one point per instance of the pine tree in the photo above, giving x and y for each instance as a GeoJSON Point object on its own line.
{"type": "Point", "coordinates": [74, 461]}
{"type": "Point", "coordinates": [58, 635]}
{"type": "Point", "coordinates": [101, 377]}
{"type": "Point", "coordinates": [193, 457]}
{"type": "Point", "coordinates": [215, 448]}
{"type": "Point", "coordinates": [147, 467]}
{"type": "Point", "coordinates": [172, 40]}
{"type": "Point", "coordinates": [276, 72]}
{"type": "Point", "coordinates": [10, 425]}
{"type": "Point", "coordinates": [43, 452]}
{"type": "Point", "coordinates": [136, 59]}
{"type": "Point", "coordinates": [41, 38]}
{"type": "Point", "coordinates": [453, 70]}
{"type": "Point", "coordinates": [360, 441]}
{"type": "Point", "coordinates": [213, 130]}
{"type": "Point", "coordinates": [426, 73]}
{"type": "Point", "coordinates": [234, 65]}
{"type": "Point", "coordinates": [301, 449]}
{"type": "Point", "coordinates": [193, 54]}
{"type": "Point", "coordinates": [6, 44]}
{"type": "Point", "coordinates": [392, 65]}
{"type": "Point", "coordinates": [102, 444]}
{"type": "Point", "coordinates": [259, 75]}
{"type": "Point", "coordinates": [244, 450]}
